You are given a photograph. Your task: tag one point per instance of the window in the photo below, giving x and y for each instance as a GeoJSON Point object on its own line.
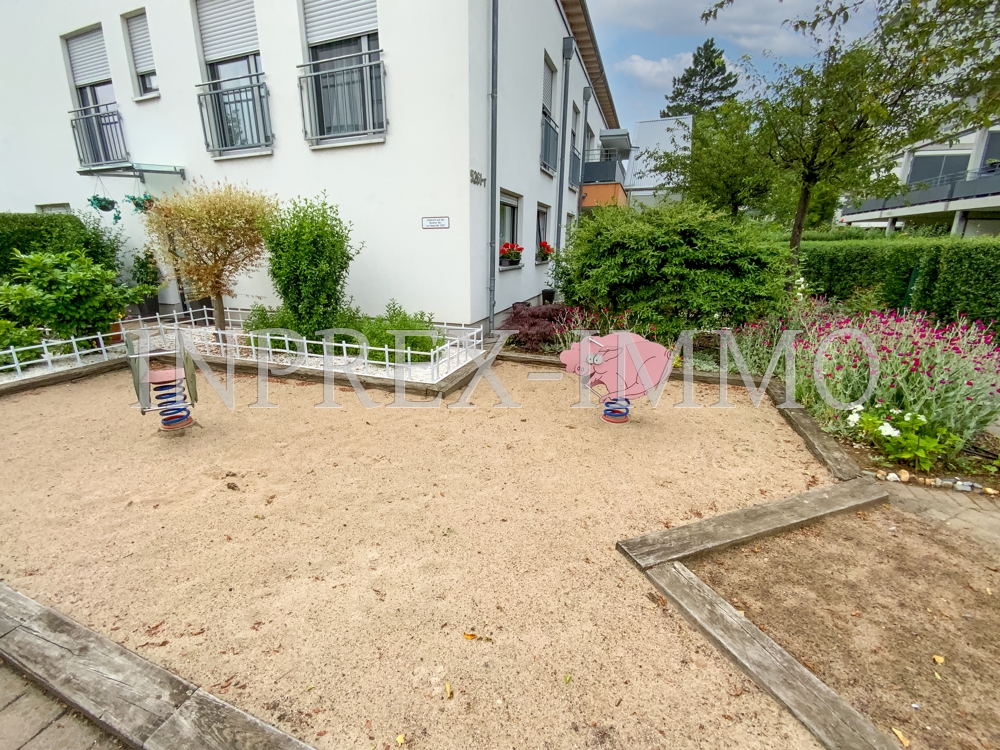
{"type": "Point", "coordinates": [142, 53]}
{"type": "Point", "coordinates": [508, 226]}
{"type": "Point", "coordinates": [342, 87]}
{"type": "Point", "coordinates": [938, 170]}
{"type": "Point", "coordinates": [541, 232]}
{"type": "Point", "coordinates": [96, 124]}
{"type": "Point", "coordinates": [991, 154]}
{"type": "Point", "coordinates": [550, 133]}
{"type": "Point", "coordinates": [53, 208]}
{"type": "Point", "coordinates": [233, 104]}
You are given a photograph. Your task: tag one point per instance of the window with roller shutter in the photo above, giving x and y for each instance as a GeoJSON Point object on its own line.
{"type": "Point", "coordinates": [97, 126]}
{"type": "Point", "coordinates": [142, 52]}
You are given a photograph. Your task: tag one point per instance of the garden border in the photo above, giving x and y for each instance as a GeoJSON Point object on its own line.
{"type": "Point", "coordinates": [826, 450]}
{"type": "Point", "coordinates": [144, 705]}
{"type": "Point", "coordinates": [830, 719]}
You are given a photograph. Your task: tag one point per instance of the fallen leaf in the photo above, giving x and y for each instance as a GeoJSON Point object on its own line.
{"type": "Point", "coordinates": [311, 687]}
{"type": "Point", "coordinates": [232, 486]}
{"type": "Point", "coordinates": [899, 736]}
{"type": "Point", "coordinates": [856, 613]}
{"type": "Point", "coordinates": [567, 678]}
{"type": "Point", "coordinates": [937, 675]}
{"type": "Point", "coordinates": [737, 693]}
{"type": "Point", "coordinates": [938, 659]}
{"type": "Point", "coordinates": [321, 733]}
{"type": "Point", "coordinates": [447, 690]}
{"type": "Point", "coordinates": [401, 739]}
{"type": "Point", "coordinates": [470, 636]}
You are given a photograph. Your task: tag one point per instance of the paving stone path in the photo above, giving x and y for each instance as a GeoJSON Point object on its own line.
{"type": "Point", "coordinates": [31, 719]}
{"type": "Point", "coordinates": [979, 515]}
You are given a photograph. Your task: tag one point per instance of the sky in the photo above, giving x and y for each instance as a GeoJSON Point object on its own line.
{"type": "Point", "coordinates": [645, 43]}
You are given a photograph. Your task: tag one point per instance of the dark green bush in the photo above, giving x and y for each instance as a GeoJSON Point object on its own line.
{"type": "Point", "coordinates": [310, 255]}
{"type": "Point", "coordinates": [675, 266]}
{"type": "Point", "coordinates": [944, 276]}
{"type": "Point", "coordinates": [57, 233]}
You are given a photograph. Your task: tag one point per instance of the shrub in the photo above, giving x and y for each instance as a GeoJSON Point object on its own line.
{"type": "Point", "coordinates": [948, 277]}
{"type": "Point", "coordinates": [674, 266]}
{"type": "Point", "coordinates": [11, 335]}
{"type": "Point", "coordinates": [145, 270]}
{"type": "Point", "coordinates": [535, 326]}
{"type": "Point", "coordinates": [310, 254]}
{"type": "Point", "coordinates": [66, 293]}
{"type": "Point", "coordinates": [57, 233]}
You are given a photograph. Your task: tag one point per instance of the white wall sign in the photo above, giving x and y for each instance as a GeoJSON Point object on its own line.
{"type": "Point", "coordinates": [436, 222]}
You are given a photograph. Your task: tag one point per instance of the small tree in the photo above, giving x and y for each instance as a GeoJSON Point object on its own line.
{"type": "Point", "coordinates": [212, 234]}
{"type": "Point", "coordinates": [705, 83]}
{"type": "Point", "coordinates": [310, 254]}
{"type": "Point", "coordinates": [724, 163]}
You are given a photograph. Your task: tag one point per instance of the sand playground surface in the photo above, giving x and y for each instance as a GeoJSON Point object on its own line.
{"type": "Point", "coordinates": [356, 577]}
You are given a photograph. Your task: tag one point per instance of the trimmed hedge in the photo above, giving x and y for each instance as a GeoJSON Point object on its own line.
{"type": "Point", "coordinates": [949, 276]}
{"type": "Point", "coordinates": [55, 233]}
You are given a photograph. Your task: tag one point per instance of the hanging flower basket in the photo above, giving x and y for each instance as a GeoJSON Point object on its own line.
{"type": "Point", "coordinates": [141, 203]}
{"type": "Point", "coordinates": [101, 203]}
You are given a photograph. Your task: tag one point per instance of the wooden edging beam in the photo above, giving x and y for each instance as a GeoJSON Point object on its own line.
{"type": "Point", "coordinates": [142, 704]}
{"type": "Point", "coordinates": [832, 721]}
{"type": "Point", "coordinates": [62, 376]}
{"type": "Point", "coordinates": [746, 524]}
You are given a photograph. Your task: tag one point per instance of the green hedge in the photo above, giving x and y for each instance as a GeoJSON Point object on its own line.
{"type": "Point", "coordinates": [949, 276]}
{"type": "Point", "coordinates": [56, 233]}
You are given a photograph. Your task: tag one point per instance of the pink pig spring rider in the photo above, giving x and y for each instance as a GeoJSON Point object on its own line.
{"type": "Point", "coordinates": [165, 386]}
{"type": "Point", "coordinates": [614, 361]}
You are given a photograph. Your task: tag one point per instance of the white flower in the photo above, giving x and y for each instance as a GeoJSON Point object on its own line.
{"type": "Point", "coordinates": [922, 418]}
{"type": "Point", "coordinates": [888, 430]}
{"type": "Point", "coordinates": [854, 418]}
{"type": "Point", "coordinates": [907, 417]}
{"type": "Point", "coordinates": [896, 411]}
{"type": "Point", "coordinates": [858, 408]}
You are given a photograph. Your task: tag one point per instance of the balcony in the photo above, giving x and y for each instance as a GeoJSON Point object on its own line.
{"type": "Point", "coordinates": [99, 136]}
{"type": "Point", "coordinates": [603, 165]}
{"type": "Point", "coordinates": [235, 116]}
{"type": "Point", "coordinates": [343, 99]}
{"type": "Point", "coordinates": [950, 187]}
{"type": "Point", "coordinates": [550, 144]}
{"type": "Point", "coordinates": [574, 168]}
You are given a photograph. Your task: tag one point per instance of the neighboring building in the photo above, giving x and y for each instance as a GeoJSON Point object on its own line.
{"type": "Point", "coordinates": [668, 134]}
{"type": "Point", "coordinates": [383, 104]}
{"type": "Point", "coordinates": [957, 184]}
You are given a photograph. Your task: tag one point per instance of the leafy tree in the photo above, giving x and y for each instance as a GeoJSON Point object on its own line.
{"type": "Point", "coordinates": [705, 83]}
{"type": "Point", "coordinates": [66, 293]}
{"type": "Point", "coordinates": [784, 197]}
{"type": "Point", "coordinates": [720, 160]}
{"type": "Point", "coordinates": [211, 234]}
{"type": "Point", "coordinates": [310, 254]}
{"type": "Point", "coordinates": [952, 42]}
{"type": "Point", "coordinates": [839, 120]}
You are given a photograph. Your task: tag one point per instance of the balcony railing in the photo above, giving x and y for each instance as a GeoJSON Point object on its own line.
{"type": "Point", "coordinates": [550, 143]}
{"type": "Point", "coordinates": [603, 165]}
{"type": "Point", "coordinates": [99, 137]}
{"type": "Point", "coordinates": [574, 167]}
{"type": "Point", "coordinates": [977, 183]}
{"type": "Point", "coordinates": [343, 97]}
{"type": "Point", "coordinates": [235, 114]}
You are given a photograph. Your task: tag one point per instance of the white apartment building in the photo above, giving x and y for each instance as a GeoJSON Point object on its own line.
{"type": "Point", "coordinates": [953, 182]}
{"type": "Point", "coordinates": [383, 104]}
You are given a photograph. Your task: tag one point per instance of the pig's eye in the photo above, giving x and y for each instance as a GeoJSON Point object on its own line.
{"type": "Point", "coordinates": [598, 358]}
{"type": "Point", "coordinates": [590, 359]}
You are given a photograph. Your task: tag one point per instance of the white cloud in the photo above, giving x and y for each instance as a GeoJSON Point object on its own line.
{"type": "Point", "coordinates": [657, 75]}
{"type": "Point", "coordinates": [751, 25]}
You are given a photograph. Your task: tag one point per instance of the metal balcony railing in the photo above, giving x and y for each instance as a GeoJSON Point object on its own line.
{"type": "Point", "coordinates": [575, 164]}
{"type": "Point", "coordinates": [550, 143]}
{"type": "Point", "coordinates": [235, 114]}
{"type": "Point", "coordinates": [989, 170]}
{"type": "Point", "coordinates": [99, 137]}
{"type": "Point", "coordinates": [343, 97]}
{"type": "Point", "coordinates": [603, 165]}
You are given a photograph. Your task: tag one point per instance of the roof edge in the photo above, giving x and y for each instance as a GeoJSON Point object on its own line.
{"type": "Point", "coordinates": [582, 28]}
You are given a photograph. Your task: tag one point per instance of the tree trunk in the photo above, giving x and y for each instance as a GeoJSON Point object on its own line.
{"type": "Point", "coordinates": [805, 194]}
{"type": "Point", "coordinates": [220, 313]}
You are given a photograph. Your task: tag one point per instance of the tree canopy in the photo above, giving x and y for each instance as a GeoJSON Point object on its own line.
{"type": "Point", "coordinates": [705, 84]}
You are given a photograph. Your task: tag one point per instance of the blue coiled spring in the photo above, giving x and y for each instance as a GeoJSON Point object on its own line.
{"type": "Point", "coordinates": [616, 410]}
{"type": "Point", "coordinates": [169, 394]}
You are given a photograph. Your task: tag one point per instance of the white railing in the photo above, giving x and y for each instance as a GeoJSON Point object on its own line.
{"type": "Point", "coordinates": [197, 327]}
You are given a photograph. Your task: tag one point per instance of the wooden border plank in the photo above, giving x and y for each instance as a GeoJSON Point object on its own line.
{"type": "Point", "coordinates": [831, 719]}
{"type": "Point", "coordinates": [16, 609]}
{"type": "Point", "coordinates": [122, 692]}
{"type": "Point", "coordinates": [749, 523]}
{"type": "Point", "coordinates": [206, 723]}
{"type": "Point", "coordinates": [62, 376]}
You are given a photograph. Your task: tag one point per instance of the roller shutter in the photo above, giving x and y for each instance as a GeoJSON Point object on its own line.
{"type": "Point", "coordinates": [88, 59]}
{"type": "Point", "coordinates": [548, 82]}
{"type": "Point", "coordinates": [142, 49]}
{"type": "Point", "coordinates": [228, 28]}
{"type": "Point", "coordinates": [327, 20]}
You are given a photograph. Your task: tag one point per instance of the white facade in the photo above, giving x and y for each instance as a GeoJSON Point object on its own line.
{"type": "Point", "coordinates": [665, 134]}
{"type": "Point", "coordinates": [436, 56]}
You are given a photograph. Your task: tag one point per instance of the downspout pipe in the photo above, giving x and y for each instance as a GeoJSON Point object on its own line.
{"type": "Point", "coordinates": [494, 181]}
{"type": "Point", "coordinates": [588, 92]}
{"type": "Point", "coordinates": [569, 46]}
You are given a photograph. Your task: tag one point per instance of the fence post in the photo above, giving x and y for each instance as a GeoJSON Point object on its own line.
{"type": "Point", "coordinates": [159, 325]}
{"type": "Point", "coordinates": [76, 350]}
{"type": "Point", "coordinates": [100, 344]}
{"type": "Point", "coordinates": [46, 355]}
{"type": "Point", "coordinates": [17, 365]}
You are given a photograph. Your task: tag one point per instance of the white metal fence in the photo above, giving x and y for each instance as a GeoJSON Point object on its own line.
{"type": "Point", "coordinates": [459, 345]}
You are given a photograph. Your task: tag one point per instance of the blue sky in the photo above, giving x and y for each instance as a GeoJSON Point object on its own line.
{"type": "Point", "coordinates": [645, 43]}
